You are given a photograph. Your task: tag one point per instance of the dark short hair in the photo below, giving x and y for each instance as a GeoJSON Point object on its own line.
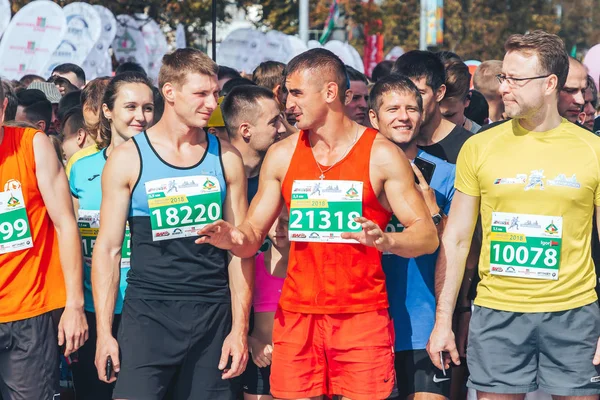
{"type": "Point", "coordinates": [11, 106]}
{"type": "Point", "coordinates": [393, 83]}
{"type": "Point", "coordinates": [130, 66]}
{"type": "Point", "coordinates": [418, 63]}
{"type": "Point", "coordinates": [355, 75]}
{"type": "Point", "coordinates": [382, 69]}
{"type": "Point", "coordinates": [69, 67]}
{"type": "Point", "coordinates": [73, 118]}
{"type": "Point", "coordinates": [478, 110]}
{"type": "Point", "coordinates": [35, 106]}
{"type": "Point", "coordinates": [233, 83]}
{"type": "Point", "coordinates": [324, 64]}
{"type": "Point", "coordinates": [67, 102]}
{"type": "Point", "coordinates": [227, 72]}
{"type": "Point", "coordinates": [447, 55]}
{"type": "Point", "coordinates": [549, 48]}
{"type": "Point", "coordinates": [27, 79]}
{"type": "Point", "coordinates": [242, 102]}
{"type": "Point", "coordinates": [458, 79]}
{"type": "Point", "coordinates": [268, 74]}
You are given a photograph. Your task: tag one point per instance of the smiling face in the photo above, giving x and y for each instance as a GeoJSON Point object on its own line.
{"type": "Point", "coordinates": [398, 117]}
{"type": "Point", "coordinates": [133, 110]}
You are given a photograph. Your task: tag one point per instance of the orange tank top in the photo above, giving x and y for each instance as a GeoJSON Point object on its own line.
{"type": "Point", "coordinates": [332, 278]}
{"type": "Point", "coordinates": [31, 278]}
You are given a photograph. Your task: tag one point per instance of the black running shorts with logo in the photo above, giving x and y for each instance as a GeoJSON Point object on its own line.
{"type": "Point", "coordinates": [174, 346]}
{"type": "Point", "coordinates": [29, 358]}
{"type": "Point", "coordinates": [255, 380]}
{"type": "Point", "coordinates": [415, 373]}
{"type": "Point", "coordinates": [511, 353]}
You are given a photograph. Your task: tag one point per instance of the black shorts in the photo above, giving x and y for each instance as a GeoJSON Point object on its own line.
{"type": "Point", "coordinates": [255, 380]}
{"type": "Point", "coordinates": [415, 373]}
{"type": "Point", "coordinates": [29, 358]}
{"type": "Point", "coordinates": [173, 346]}
{"type": "Point", "coordinates": [85, 374]}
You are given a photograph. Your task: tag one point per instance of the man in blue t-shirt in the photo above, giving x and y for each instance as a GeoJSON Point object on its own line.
{"type": "Point", "coordinates": [396, 109]}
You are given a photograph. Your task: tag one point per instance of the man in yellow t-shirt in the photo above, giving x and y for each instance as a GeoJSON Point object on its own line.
{"type": "Point", "coordinates": [535, 181]}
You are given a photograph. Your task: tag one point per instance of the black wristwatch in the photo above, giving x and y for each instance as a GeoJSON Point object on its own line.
{"type": "Point", "coordinates": [437, 218]}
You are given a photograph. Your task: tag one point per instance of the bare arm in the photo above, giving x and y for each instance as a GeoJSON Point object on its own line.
{"type": "Point", "coordinates": [54, 188]}
{"type": "Point", "coordinates": [596, 360]}
{"type": "Point", "coordinates": [449, 270]}
{"type": "Point", "coordinates": [245, 240]}
{"type": "Point", "coordinates": [241, 271]}
{"type": "Point", "coordinates": [106, 271]}
{"type": "Point", "coordinates": [419, 235]}
{"type": "Point", "coordinates": [107, 250]}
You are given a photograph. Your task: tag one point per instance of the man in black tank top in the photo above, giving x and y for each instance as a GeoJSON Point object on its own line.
{"type": "Point", "coordinates": [184, 324]}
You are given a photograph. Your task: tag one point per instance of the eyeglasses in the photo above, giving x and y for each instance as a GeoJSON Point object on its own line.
{"type": "Point", "coordinates": [513, 81]}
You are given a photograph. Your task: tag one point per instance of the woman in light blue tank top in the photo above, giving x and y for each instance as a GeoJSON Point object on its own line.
{"type": "Point", "coordinates": [127, 110]}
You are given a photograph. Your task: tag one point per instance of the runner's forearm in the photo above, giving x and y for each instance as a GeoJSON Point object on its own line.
{"type": "Point", "coordinates": [105, 286]}
{"type": "Point", "coordinates": [416, 240]}
{"type": "Point", "coordinates": [241, 282]}
{"type": "Point", "coordinates": [71, 261]}
{"type": "Point", "coordinates": [252, 240]}
{"type": "Point", "coordinates": [449, 271]}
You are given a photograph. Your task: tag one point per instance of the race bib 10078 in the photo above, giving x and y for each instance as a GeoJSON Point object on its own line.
{"type": "Point", "coordinates": [525, 245]}
{"type": "Point", "coordinates": [15, 234]}
{"type": "Point", "coordinates": [321, 210]}
{"type": "Point", "coordinates": [179, 207]}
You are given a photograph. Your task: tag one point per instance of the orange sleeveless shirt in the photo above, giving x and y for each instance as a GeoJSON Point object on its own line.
{"type": "Point", "coordinates": [332, 278]}
{"type": "Point", "coordinates": [31, 280]}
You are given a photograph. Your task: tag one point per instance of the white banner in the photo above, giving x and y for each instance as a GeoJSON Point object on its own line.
{"type": "Point", "coordinates": [98, 62]}
{"type": "Point", "coordinates": [83, 31]}
{"type": "Point", "coordinates": [180, 37]}
{"type": "Point", "coordinates": [30, 39]}
{"type": "Point", "coordinates": [4, 15]}
{"type": "Point", "coordinates": [129, 42]}
{"type": "Point", "coordinates": [242, 50]}
{"type": "Point", "coordinates": [346, 53]}
{"type": "Point", "coordinates": [156, 44]}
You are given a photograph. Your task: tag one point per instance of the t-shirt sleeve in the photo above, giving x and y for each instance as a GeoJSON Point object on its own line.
{"type": "Point", "coordinates": [69, 167]}
{"type": "Point", "coordinates": [466, 179]}
{"type": "Point", "coordinates": [450, 190]}
{"type": "Point", "coordinates": [72, 181]}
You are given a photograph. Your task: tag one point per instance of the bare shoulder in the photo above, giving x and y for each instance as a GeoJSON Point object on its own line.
{"type": "Point", "coordinates": [384, 151]}
{"type": "Point", "coordinates": [124, 162]}
{"type": "Point", "coordinates": [228, 151]}
{"type": "Point", "coordinates": [286, 146]}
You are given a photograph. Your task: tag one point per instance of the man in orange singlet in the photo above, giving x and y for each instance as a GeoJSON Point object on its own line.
{"type": "Point", "coordinates": [38, 233]}
{"type": "Point", "coordinates": [340, 182]}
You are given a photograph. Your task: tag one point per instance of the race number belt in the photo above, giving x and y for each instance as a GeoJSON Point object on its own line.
{"type": "Point", "coordinates": [321, 210]}
{"type": "Point", "coordinates": [89, 225]}
{"type": "Point", "coordinates": [179, 207]}
{"type": "Point", "coordinates": [15, 234]}
{"type": "Point", "coordinates": [525, 246]}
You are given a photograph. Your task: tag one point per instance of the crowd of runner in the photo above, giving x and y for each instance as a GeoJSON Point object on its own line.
{"type": "Point", "coordinates": [304, 231]}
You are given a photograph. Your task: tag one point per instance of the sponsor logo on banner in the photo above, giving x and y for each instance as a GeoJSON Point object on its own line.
{"type": "Point", "coordinates": [209, 185]}
{"type": "Point", "coordinates": [551, 229]}
{"type": "Point", "coordinates": [352, 193]}
{"type": "Point", "coordinates": [530, 224]}
{"type": "Point", "coordinates": [332, 189]}
{"type": "Point", "coordinates": [13, 202]}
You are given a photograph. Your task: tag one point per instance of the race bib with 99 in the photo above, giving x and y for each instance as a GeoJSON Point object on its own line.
{"type": "Point", "coordinates": [15, 234]}
{"type": "Point", "coordinates": [525, 245]}
{"type": "Point", "coordinates": [321, 210]}
{"type": "Point", "coordinates": [179, 207]}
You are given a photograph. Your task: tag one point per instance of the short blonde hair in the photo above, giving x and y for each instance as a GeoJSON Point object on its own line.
{"type": "Point", "coordinates": [484, 78]}
{"type": "Point", "coordinates": [176, 65]}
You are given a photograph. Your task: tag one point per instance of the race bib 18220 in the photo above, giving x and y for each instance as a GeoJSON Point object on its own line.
{"type": "Point", "coordinates": [321, 210]}
{"type": "Point", "coordinates": [525, 246]}
{"type": "Point", "coordinates": [179, 207]}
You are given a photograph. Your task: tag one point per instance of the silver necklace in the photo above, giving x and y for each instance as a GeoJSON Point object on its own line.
{"type": "Point", "coordinates": [322, 176]}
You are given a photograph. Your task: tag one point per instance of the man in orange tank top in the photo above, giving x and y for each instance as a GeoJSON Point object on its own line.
{"type": "Point", "coordinates": [38, 234]}
{"type": "Point", "coordinates": [340, 182]}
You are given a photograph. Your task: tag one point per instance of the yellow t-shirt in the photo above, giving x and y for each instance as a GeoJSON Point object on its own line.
{"type": "Point", "coordinates": [538, 191]}
{"type": "Point", "coordinates": [86, 151]}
